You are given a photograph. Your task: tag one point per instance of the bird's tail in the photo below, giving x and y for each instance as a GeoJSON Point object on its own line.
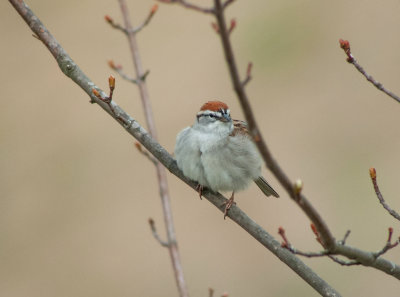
{"type": "Point", "coordinates": [265, 187]}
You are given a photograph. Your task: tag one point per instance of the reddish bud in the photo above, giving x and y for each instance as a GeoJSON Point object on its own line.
{"type": "Point", "coordinates": [372, 172]}
{"type": "Point", "coordinates": [111, 82]}
{"type": "Point", "coordinates": [249, 67]}
{"type": "Point", "coordinates": [215, 27]}
{"type": "Point", "coordinates": [233, 25]}
{"type": "Point", "coordinates": [344, 44]}
{"type": "Point", "coordinates": [154, 9]}
{"type": "Point", "coordinates": [96, 93]}
{"type": "Point", "coordinates": [108, 19]}
{"type": "Point", "coordinates": [314, 229]}
{"type": "Point", "coordinates": [138, 146]}
{"type": "Point", "coordinates": [111, 64]}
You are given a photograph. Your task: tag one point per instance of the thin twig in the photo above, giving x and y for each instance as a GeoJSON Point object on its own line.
{"type": "Point", "coordinates": [248, 74]}
{"type": "Point", "coordinates": [114, 25]}
{"type": "Point", "coordinates": [372, 173]}
{"type": "Point", "coordinates": [147, 20]}
{"type": "Point", "coordinates": [302, 202]}
{"type": "Point", "coordinates": [118, 69]}
{"type": "Point", "coordinates": [345, 45]}
{"type": "Point", "coordinates": [343, 241]}
{"type": "Point", "coordinates": [389, 245]}
{"type": "Point", "coordinates": [155, 233]}
{"type": "Point", "coordinates": [161, 173]}
{"type": "Point", "coordinates": [126, 31]}
{"type": "Point", "coordinates": [343, 262]}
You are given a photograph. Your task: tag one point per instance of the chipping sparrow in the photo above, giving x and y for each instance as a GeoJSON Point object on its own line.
{"type": "Point", "coordinates": [219, 153]}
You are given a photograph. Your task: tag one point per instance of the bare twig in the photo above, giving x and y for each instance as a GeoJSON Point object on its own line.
{"type": "Point", "coordinates": [115, 25]}
{"type": "Point", "coordinates": [118, 69]}
{"type": "Point", "coordinates": [155, 233]}
{"type": "Point", "coordinates": [343, 241]}
{"type": "Point", "coordinates": [345, 45]}
{"type": "Point", "coordinates": [153, 10]}
{"type": "Point", "coordinates": [343, 262]}
{"type": "Point", "coordinates": [126, 31]}
{"type": "Point", "coordinates": [161, 173]}
{"type": "Point", "coordinates": [248, 74]}
{"type": "Point", "coordinates": [372, 173]}
{"type": "Point", "coordinates": [389, 245]}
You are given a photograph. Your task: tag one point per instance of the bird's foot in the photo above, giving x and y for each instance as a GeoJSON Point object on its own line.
{"type": "Point", "coordinates": [228, 204]}
{"type": "Point", "coordinates": [199, 189]}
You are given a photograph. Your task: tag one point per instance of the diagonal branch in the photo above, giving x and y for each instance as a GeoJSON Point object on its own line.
{"type": "Point", "coordinates": [140, 134]}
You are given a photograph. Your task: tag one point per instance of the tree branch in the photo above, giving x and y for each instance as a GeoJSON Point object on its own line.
{"type": "Point", "coordinates": [140, 134]}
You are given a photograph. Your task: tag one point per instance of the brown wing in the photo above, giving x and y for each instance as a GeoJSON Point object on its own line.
{"type": "Point", "coordinates": [240, 127]}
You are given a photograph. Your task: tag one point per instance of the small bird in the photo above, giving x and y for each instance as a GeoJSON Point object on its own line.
{"type": "Point", "coordinates": [219, 153]}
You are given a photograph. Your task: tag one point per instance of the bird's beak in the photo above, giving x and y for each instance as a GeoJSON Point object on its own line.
{"type": "Point", "coordinates": [226, 117]}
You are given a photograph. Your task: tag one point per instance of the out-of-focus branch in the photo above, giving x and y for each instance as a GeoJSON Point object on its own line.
{"type": "Point", "coordinates": [372, 173]}
{"type": "Point", "coordinates": [139, 133]}
{"type": "Point", "coordinates": [161, 173]}
{"type": "Point", "coordinates": [345, 45]}
{"type": "Point", "coordinates": [272, 164]}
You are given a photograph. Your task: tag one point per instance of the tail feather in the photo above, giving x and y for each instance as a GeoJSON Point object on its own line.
{"type": "Point", "coordinates": [265, 187]}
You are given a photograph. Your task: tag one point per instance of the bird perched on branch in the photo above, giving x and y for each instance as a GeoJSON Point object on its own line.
{"type": "Point", "coordinates": [219, 153]}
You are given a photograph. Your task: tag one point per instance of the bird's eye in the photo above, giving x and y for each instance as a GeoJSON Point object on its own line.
{"type": "Point", "coordinates": [211, 115]}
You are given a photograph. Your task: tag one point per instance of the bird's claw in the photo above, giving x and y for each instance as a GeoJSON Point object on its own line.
{"type": "Point", "coordinates": [199, 189]}
{"type": "Point", "coordinates": [228, 204]}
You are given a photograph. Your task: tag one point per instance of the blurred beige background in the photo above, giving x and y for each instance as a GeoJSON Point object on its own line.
{"type": "Point", "coordinates": [75, 195]}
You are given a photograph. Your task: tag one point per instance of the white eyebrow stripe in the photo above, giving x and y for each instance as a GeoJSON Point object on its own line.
{"type": "Point", "coordinates": [208, 112]}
